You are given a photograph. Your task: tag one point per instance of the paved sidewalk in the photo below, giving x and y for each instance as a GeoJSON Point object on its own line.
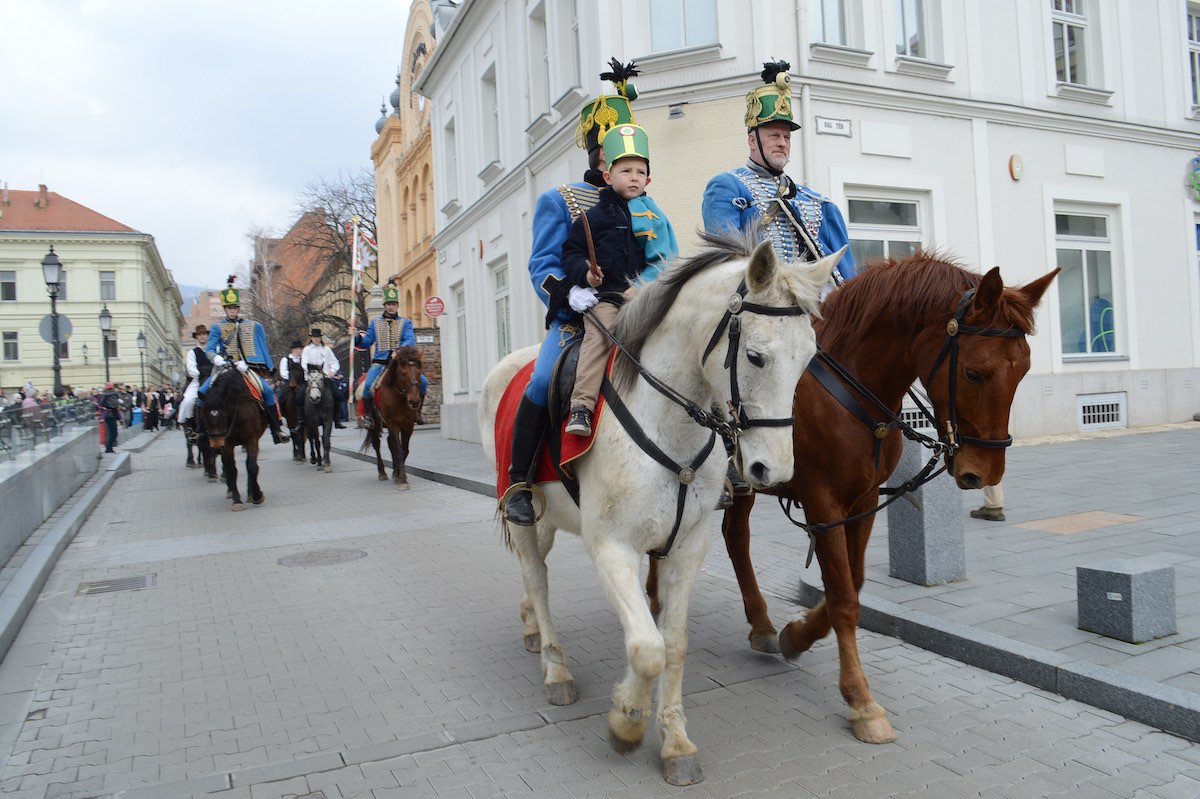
{"type": "Point", "coordinates": [349, 640]}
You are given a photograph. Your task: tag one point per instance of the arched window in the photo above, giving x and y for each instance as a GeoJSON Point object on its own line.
{"type": "Point", "coordinates": [406, 243]}
{"type": "Point", "coordinates": [427, 199]}
{"type": "Point", "coordinates": [414, 211]}
{"type": "Point", "coordinates": [409, 308]}
{"type": "Point", "coordinates": [419, 318]}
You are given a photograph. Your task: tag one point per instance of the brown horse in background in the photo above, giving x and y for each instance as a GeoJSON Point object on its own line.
{"type": "Point", "coordinates": [921, 318]}
{"type": "Point", "coordinates": [291, 407]}
{"type": "Point", "coordinates": [397, 398]}
{"type": "Point", "coordinates": [232, 418]}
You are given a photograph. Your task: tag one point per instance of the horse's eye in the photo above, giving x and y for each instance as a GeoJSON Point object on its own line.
{"type": "Point", "coordinates": [755, 358]}
{"type": "Point", "coordinates": [973, 376]}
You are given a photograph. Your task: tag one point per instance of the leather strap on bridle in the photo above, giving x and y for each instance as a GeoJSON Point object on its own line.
{"type": "Point", "coordinates": [685, 474]}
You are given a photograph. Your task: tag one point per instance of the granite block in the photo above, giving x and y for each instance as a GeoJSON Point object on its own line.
{"type": "Point", "coordinates": [1130, 600]}
{"type": "Point", "coordinates": [925, 528]}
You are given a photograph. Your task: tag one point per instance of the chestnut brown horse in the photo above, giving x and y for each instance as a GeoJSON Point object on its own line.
{"type": "Point", "coordinates": [397, 398]}
{"type": "Point", "coordinates": [921, 318]}
{"type": "Point", "coordinates": [232, 418]}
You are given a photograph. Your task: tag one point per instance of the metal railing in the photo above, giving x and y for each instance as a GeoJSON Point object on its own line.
{"type": "Point", "coordinates": [23, 429]}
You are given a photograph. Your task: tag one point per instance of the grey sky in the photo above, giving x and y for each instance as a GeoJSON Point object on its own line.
{"type": "Point", "coordinates": [192, 122]}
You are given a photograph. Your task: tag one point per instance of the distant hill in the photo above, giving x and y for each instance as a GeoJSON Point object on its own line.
{"type": "Point", "coordinates": [189, 293]}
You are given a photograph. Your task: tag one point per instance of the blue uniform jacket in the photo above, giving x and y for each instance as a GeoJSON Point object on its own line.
{"type": "Point", "coordinates": [729, 205]}
{"type": "Point", "coordinates": [240, 339]}
{"type": "Point", "coordinates": [386, 335]}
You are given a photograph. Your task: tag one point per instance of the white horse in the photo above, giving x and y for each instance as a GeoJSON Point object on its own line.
{"type": "Point", "coordinates": [632, 504]}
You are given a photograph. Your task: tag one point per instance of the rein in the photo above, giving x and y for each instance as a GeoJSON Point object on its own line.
{"type": "Point", "coordinates": [730, 430]}
{"type": "Point", "coordinates": [947, 443]}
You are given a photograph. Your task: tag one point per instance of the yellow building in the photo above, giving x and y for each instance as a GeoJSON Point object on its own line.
{"type": "Point", "coordinates": [403, 158]}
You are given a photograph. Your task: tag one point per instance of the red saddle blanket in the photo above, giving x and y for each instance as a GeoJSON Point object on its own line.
{"type": "Point", "coordinates": [573, 447]}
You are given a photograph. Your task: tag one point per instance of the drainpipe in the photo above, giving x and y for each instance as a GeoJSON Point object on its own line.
{"type": "Point", "coordinates": [806, 135]}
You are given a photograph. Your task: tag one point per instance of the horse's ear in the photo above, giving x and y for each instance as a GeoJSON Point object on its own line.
{"type": "Point", "coordinates": [1034, 291]}
{"type": "Point", "coordinates": [825, 265]}
{"type": "Point", "coordinates": [989, 291]}
{"type": "Point", "coordinates": [762, 267]}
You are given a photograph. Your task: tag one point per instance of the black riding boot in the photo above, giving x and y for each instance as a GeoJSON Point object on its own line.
{"type": "Point", "coordinates": [277, 434]}
{"type": "Point", "coordinates": [368, 414]}
{"type": "Point", "coordinates": [528, 427]}
{"type": "Point", "coordinates": [420, 405]}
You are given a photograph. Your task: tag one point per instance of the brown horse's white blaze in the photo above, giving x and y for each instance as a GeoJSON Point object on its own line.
{"type": "Point", "coordinates": [888, 328]}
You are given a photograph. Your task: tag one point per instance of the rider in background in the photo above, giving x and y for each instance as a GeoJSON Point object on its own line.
{"type": "Point", "coordinates": [318, 355]}
{"type": "Point", "coordinates": [801, 224]}
{"type": "Point", "coordinates": [244, 343]}
{"type": "Point", "coordinates": [198, 368]}
{"type": "Point", "coordinates": [289, 366]}
{"type": "Point", "coordinates": [386, 333]}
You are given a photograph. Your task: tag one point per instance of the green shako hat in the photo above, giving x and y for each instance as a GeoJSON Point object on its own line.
{"type": "Point", "coordinates": [229, 295]}
{"type": "Point", "coordinates": [624, 141]}
{"type": "Point", "coordinates": [391, 293]}
{"type": "Point", "coordinates": [605, 112]}
{"type": "Point", "coordinates": [771, 102]}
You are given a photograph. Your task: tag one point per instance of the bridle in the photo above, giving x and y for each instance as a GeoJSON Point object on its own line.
{"type": "Point", "coordinates": [730, 429]}
{"type": "Point", "coordinates": [952, 438]}
{"type": "Point", "coordinates": [413, 378]}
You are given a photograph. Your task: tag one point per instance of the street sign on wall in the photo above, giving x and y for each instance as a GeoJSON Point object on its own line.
{"type": "Point", "coordinates": [434, 307]}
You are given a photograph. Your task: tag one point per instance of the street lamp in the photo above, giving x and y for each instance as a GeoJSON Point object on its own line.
{"type": "Point", "coordinates": [171, 361]}
{"type": "Point", "coordinates": [141, 342]}
{"type": "Point", "coordinates": [52, 271]}
{"type": "Point", "coordinates": [105, 327]}
{"type": "Point", "coordinates": [162, 356]}
{"type": "Point", "coordinates": [84, 349]}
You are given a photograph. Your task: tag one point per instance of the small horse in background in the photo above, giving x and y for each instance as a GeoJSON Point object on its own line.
{"type": "Point", "coordinates": [193, 433]}
{"type": "Point", "coordinates": [290, 408]}
{"type": "Point", "coordinates": [397, 399]}
{"type": "Point", "coordinates": [921, 318]}
{"type": "Point", "coordinates": [232, 418]}
{"type": "Point", "coordinates": [730, 327]}
{"type": "Point", "coordinates": [319, 415]}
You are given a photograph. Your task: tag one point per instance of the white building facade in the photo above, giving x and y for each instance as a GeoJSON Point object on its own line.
{"type": "Point", "coordinates": [1024, 134]}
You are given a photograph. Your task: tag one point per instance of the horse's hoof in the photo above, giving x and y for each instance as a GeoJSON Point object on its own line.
{"type": "Point", "coordinates": [313, 461]}
{"type": "Point", "coordinates": [228, 495]}
{"type": "Point", "coordinates": [328, 468]}
{"type": "Point", "coordinates": [261, 499]}
{"type": "Point", "coordinates": [213, 480]}
{"type": "Point", "coordinates": [562, 693]}
{"type": "Point", "coordinates": [785, 646]}
{"type": "Point", "coordinates": [765, 642]}
{"type": "Point", "coordinates": [238, 506]}
{"type": "Point", "coordinates": [871, 725]}
{"type": "Point", "coordinates": [382, 477]}
{"type": "Point", "coordinates": [402, 486]}
{"type": "Point", "coordinates": [682, 770]}
{"type": "Point", "coordinates": [533, 642]}
{"type": "Point", "coordinates": [621, 746]}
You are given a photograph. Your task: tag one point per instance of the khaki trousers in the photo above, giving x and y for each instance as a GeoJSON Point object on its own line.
{"type": "Point", "coordinates": [593, 355]}
{"type": "Point", "coordinates": [993, 496]}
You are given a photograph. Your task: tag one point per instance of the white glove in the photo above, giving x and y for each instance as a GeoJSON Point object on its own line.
{"type": "Point", "coordinates": [581, 298]}
{"type": "Point", "coordinates": [218, 360]}
{"type": "Point", "coordinates": [242, 367]}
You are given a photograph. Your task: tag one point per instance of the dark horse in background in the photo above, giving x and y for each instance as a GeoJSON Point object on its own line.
{"type": "Point", "coordinates": [234, 417]}
{"type": "Point", "coordinates": [194, 435]}
{"type": "Point", "coordinates": [397, 398]}
{"type": "Point", "coordinates": [963, 335]}
{"type": "Point", "coordinates": [291, 408]}
{"type": "Point", "coordinates": [319, 413]}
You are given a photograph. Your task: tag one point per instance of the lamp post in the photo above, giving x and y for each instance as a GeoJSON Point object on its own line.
{"type": "Point", "coordinates": [161, 354]}
{"type": "Point", "coordinates": [105, 327]}
{"type": "Point", "coordinates": [141, 344]}
{"type": "Point", "coordinates": [52, 271]}
{"type": "Point", "coordinates": [171, 361]}
{"type": "Point", "coordinates": [84, 349]}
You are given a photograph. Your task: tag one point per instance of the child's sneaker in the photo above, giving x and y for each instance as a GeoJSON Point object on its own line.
{"type": "Point", "coordinates": [580, 423]}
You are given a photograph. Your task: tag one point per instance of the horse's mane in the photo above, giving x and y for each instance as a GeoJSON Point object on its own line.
{"type": "Point", "coordinates": [641, 316]}
{"type": "Point", "coordinates": [927, 285]}
{"type": "Point", "coordinates": [224, 388]}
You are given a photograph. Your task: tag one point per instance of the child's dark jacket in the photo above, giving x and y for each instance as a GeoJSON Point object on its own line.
{"type": "Point", "coordinates": [618, 252]}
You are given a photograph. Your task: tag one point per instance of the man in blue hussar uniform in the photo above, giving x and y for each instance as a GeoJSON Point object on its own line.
{"type": "Point", "coordinates": [243, 343]}
{"type": "Point", "coordinates": [386, 333]}
{"type": "Point", "coordinates": [553, 214]}
{"type": "Point", "coordinates": [801, 224]}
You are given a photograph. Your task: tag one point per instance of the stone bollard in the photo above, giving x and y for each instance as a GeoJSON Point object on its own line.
{"type": "Point", "coordinates": [925, 527]}
{"type": "Point", "coordinates": [1130, 600]}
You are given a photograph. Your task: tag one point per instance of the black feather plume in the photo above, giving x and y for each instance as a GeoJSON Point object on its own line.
{"type": "Point", "coordinates": [619, 71]}
{"type": "Point", "coordinates": [773, 68]}
{"type": "Point", "coordinates": [231, 280]}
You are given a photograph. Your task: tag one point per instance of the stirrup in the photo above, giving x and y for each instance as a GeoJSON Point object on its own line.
{"type": "Point", "coordinates": [534, 490]}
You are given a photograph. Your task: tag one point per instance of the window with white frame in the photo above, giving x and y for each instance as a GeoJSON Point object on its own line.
{"type": "Point", "coordinates": [12, 345]}
{"type": "Point", "coordinates": [829, 22]}
{"type": "Point", "coordinates": [676, 24]}
{"type": "Point", "coordinates": [503, 310]}
{"type": "Point", "coordinates": [450, 165]}
{"type": "Point", "coordinates": [460, 332]}
{"type": "Point", "coordinates": [1085, 252]}
{"type": "Point", "coordinates": [62, 285]}
{"type": "Point", "coordinates": [64, 351]}
{"type": "Point", "coordinates": [1069, 29]}
{"type": "Point", "coordinates": [490, 116]}
{"type": "Point", "coordinates": [1193, 44]}
{"type": "Point", "coordinates": [8, 286]}
{"type": "Point", "coordinates": [912, 35]}
{"type": "Point", "coordinates": [108, 286]}
{"type": "Point", "coordinates": [569, 9]}
{"type": "Point", "coordinates": [539, 62]}
{"type": "Point", "coordinates": [110, 344]}
{"type": "Point", "coordinates": [884, 224]}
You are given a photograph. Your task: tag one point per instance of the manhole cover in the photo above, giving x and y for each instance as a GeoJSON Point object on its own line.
{"type": "Point", "coordinates": [118, 584]}
{"type": "Point", "coordinates": [322, 557]}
